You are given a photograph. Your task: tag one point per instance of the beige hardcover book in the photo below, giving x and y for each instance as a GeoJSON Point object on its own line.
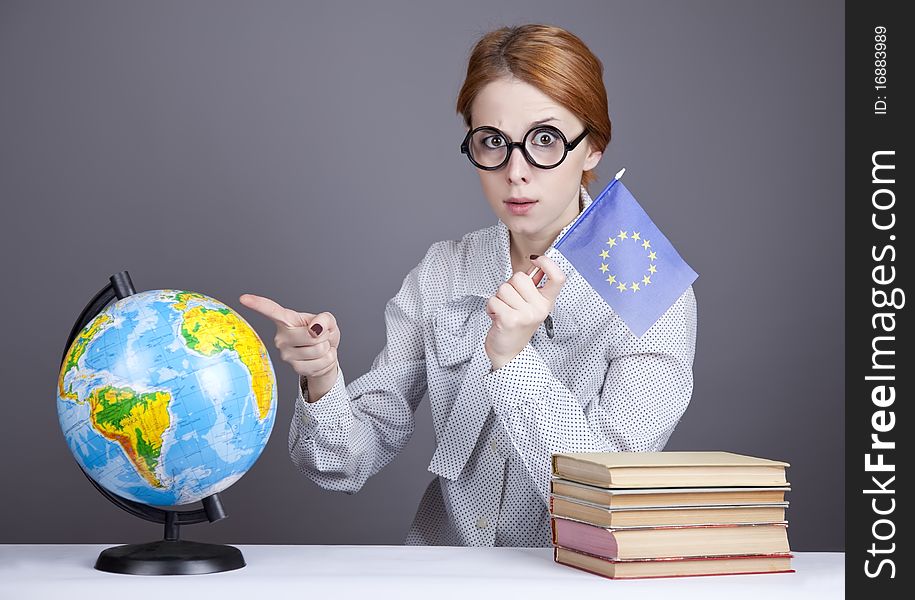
{"type": "Point", "coordinates": [674, 567]}
{"type": "Point", "coordinates": [668, 469]}
{"type": "Point", "coordinates": [663, 516]}
{"type": "Point", "coordinates": [707, 496]}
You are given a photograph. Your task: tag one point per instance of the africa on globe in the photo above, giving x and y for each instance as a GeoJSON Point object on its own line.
{"type": "Point", "coordinates": [166, 397]}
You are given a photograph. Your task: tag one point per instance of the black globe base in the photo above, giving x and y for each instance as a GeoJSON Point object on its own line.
{"type": "Point", "coordinates": [165, 557]}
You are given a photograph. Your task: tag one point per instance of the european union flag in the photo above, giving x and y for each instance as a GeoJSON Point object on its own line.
{"type": "Point", "coordinates": [626, 258]}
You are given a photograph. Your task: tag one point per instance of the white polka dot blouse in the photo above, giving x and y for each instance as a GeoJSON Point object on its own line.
{"type": "Point", "coordinates": [585, 384]}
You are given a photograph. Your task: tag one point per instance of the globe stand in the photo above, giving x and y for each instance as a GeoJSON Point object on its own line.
{"type": "Point", "coordinates": [171, 555]}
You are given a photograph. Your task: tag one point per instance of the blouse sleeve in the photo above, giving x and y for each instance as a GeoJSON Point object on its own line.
{"type": "Point", "coordinates": [647, 387]}
{"type": "Point", "coordinates": [354, 430]}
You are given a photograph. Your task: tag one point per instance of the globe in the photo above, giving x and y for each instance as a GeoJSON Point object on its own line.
{"type": "Point", "coordinates": [166, 397]}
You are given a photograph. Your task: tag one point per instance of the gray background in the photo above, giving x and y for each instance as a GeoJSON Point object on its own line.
{"type": "Point", "coordinates": [310, 154]}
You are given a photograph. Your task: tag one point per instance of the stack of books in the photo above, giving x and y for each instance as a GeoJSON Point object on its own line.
{"type": "Point", "coordinates": [669, 514]}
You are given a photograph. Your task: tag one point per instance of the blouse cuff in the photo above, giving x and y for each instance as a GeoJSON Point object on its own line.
{"type": "Point", "coordinates": [521, 380]}
{"type": "Point", "coordinates": [329, 409]}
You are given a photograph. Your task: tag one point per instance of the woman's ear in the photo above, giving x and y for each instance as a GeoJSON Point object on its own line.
{"type": "Point", "coordinates": [592, 159]}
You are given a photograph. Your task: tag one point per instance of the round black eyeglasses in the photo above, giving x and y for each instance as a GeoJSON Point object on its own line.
{"type": "Point", "coordinates": [543, 146]}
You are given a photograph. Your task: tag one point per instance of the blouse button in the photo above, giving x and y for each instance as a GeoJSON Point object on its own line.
{"type": "Point", "coordinates": [482, 522]}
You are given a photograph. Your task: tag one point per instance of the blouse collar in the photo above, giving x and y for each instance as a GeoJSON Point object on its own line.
{"type": "Point", "coordinates": [487, 263]}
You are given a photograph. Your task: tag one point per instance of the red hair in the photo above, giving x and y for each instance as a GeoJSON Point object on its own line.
{"type": "Point", "coordinates": [554, 61]}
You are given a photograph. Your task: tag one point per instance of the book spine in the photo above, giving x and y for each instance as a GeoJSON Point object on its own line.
{"type": "Point", "coordinates": [553, 531]}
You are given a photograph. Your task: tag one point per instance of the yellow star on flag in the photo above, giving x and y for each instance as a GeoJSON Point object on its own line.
{"type": "Point", "coordinates": [611, 279]}
{"type": "Point", "coordinates": [604, 253]}
{"type": "Point", "coordinates": [652, 256]}
{"type": "Point", "coordinates": [646, 279]}
{"type": "Point", "coordinates": [612, 242]}
{"type": "Point", "coordinates": [635, 286]}
{"type": "Point", "coordinates": [635, 235]}
{"type": "Point", "coordinates": [604, 268]}
{"type": "Point", "coordinates": [646, 244]}
{"type": "Point", "coordinates": [621, 287]}
{"type": "Point", "coordinates": [652, 269]}
{"type": "Point", "coordinates": [623, 235]}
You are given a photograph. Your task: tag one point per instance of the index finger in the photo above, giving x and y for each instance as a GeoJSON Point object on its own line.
{"type": "Point", "coordinates": [556, 277]}
{"type": "Point", "coordinates": [273, 311]}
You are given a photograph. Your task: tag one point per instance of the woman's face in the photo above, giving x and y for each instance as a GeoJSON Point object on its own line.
{"type": "Point", "coordinates": [513, 106]}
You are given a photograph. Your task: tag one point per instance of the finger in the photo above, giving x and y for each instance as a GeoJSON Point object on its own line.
{"type": "Point", "coordinates": [273, 311]}
{"type": "Point", "coordinates": [322, 325]}
{"type": "Point", "coordinates": [556, 278]}
{"type": "Point", "coordinates": [311, 352]}
{"type": "Point", "coordinates": [315, 367]}
{"type": "Point", "coordinates": [296, 337]}
{"type": "Point", "coordinates": [495, 308]}
{"type": "Point", "coordinates": [509, 295]}
{"type": "Point", "coordinates": [526, 288]}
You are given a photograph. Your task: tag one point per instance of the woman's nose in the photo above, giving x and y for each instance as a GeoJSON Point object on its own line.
{"type": "Point", "coordinates": [518, 167]}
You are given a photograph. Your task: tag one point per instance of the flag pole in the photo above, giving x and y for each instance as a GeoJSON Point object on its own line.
{"type": "Point", "coordinates": [535, 270]}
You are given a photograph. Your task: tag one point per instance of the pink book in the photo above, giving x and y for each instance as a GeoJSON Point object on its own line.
{"type": "Point", "coordinates": [671, 541]}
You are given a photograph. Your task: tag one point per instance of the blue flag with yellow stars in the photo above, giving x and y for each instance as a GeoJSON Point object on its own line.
{"type": "Point", "coordinates": [626, 258]}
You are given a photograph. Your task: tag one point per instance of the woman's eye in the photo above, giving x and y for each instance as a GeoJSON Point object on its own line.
{"type": "Point", "coordinates": [544, 138]}
{"type": "Point", "coordinates": [494, 141]}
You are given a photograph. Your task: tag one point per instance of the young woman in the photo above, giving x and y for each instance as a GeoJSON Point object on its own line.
{"type": "Point", "coordinates": [515, 370]}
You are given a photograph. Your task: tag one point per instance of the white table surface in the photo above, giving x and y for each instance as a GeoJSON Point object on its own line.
{"type": "Point", "coordinates": [49, 571]}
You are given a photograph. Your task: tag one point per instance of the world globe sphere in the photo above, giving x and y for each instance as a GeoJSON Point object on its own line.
{"type": "Point", "coordinates": [166, 397]}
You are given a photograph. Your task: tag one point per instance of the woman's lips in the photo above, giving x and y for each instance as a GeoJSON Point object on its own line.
{"type": "Point", "coordinates": [520, 206]}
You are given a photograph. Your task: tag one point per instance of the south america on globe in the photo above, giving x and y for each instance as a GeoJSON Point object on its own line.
{"type": "Point", "coordinates": [166, 397]}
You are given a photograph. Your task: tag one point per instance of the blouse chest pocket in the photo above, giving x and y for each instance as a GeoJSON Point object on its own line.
{"type": "Point", "coordinates": [457, 330]}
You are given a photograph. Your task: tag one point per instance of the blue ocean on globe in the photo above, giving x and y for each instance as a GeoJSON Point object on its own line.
{"type": "Point", "coordinates": [166, 397]}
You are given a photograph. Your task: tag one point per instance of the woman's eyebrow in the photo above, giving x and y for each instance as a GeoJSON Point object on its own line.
{"type": "Point", "coordinates": [542, 121]}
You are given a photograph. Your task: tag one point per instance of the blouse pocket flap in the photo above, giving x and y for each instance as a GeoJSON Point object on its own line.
{"type": "Point", "coordinates": [564, 325]}
{"type": "Point", "coordinates": [455, 330]}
